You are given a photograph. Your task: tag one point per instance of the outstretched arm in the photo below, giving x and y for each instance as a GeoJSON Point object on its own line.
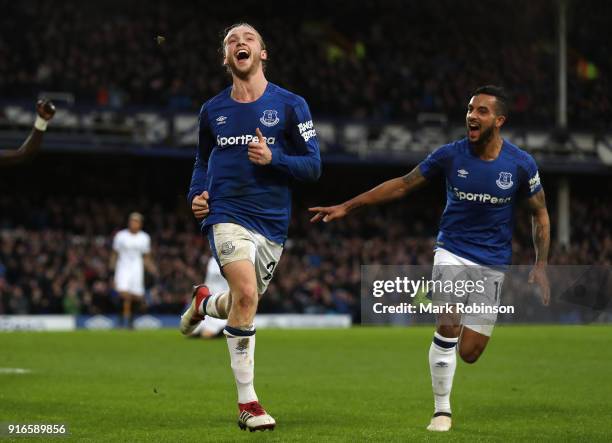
{"type": "Point", "coordinates": [45, 111]}
{"type": "Point", "coordinates": [390, 190]}
{"type": "Point", "coordinates": [540, 223]}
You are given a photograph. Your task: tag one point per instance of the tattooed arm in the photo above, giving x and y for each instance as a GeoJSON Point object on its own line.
{"type": "Point", "coordinates": [541, 241]}
{"type": "Point", "coordinates": [541, 226]}
{"type": "Point", "coordinates": [390, 190]}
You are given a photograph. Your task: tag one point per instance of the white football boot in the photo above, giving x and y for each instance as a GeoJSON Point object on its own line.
{"type": "Point", "coordinates": [254, 417]}
{"type": "Point", "coordinates": [441, 422]}
{"type": "Point", "coordinates": [192, 318]}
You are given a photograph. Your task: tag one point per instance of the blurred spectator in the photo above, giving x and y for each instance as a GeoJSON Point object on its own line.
{"type": "Point", "coordinates": [56, 259]}
{"type": "Point", "coordinates": [365, 59]}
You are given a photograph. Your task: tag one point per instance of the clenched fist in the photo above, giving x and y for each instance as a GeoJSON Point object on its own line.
{"type": "Point", "coordinates": [46, 109]}
{"type": "Point", "coordinates": [199, 206]}
{"type": "Point", "coordinates": [259, 152]}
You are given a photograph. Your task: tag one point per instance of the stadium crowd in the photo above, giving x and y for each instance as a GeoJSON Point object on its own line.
{"type": "Point", "coordinates": [54, 253]}
{"type": "Point", "coordinates": [388, 61]}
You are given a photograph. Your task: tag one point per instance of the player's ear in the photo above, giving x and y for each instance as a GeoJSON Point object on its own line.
{"type": "Point", "coordinates": [500, 120]}
{"type": "Point", "coordinates": [263, 54]}
{"type": "Point", "coordinates": [224, 54]}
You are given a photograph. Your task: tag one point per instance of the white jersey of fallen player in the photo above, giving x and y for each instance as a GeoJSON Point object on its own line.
{"type": "Point", "coordinates": [214, 279]}
{"type": "Point", "coordinates": [129, 270]}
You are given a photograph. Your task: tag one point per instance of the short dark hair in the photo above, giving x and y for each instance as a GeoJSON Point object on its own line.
{"type": "Point", "coordinates": [500, 94]}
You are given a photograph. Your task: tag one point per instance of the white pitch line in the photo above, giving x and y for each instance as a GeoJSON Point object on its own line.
{"type": "Point", "coordinates": [15, 371]}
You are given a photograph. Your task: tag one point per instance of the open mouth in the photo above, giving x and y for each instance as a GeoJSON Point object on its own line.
{"type": "Point", "coordinates": [242, 54]}
{"type": "Point", "coordinates": [473, 128]}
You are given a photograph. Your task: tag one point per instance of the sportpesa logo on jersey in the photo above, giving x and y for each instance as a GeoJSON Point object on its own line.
{"type": "Point", "coordinates": [241, 140]}
{"type": "Point", "coordinates": [480, 197]}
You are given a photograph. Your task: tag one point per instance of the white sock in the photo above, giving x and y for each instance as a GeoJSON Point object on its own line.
{"type": "Point", "coordinates": [216, 305]}
{"type": "Point", "coordinates": [442, 364]}
{"type": "Point", "coordinates": [241, 345]}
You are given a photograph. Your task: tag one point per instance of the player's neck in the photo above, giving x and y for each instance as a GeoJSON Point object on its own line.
{"type": "Point", "coordinates": [491, 150]}
{"type": "Point", "coordinates": [249, 89]}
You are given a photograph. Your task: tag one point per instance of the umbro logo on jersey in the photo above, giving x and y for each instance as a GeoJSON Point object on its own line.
{"type": "Point", "coordinates": [462, 173]}
{"type": "Point", "coordinates": [269, 118]}
{"type": "Point", "coordinates": [505, 180]}
{"type": "Point", "coordinates": [221, 120]}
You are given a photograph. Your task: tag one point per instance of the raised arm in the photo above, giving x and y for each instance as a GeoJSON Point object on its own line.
{"type": "Point", "coordinates": [45, 110]}
{"type": "Point", "coordinates": [393, 189]}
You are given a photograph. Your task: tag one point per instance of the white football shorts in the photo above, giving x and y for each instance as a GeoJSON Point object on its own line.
{"type": "Point", "coordinates": [128, 279]}
{"type": "Point", "coordinates": [231, 242]}
{"type": "Point", "coordinates": [451, 267]}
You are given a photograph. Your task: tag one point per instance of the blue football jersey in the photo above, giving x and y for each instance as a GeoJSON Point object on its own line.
{"type": "Point", "coordinates": [481, 197]}
{"type": "Point", "coordinates": [256, 197]}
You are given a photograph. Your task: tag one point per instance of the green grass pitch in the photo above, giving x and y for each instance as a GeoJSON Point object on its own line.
{"type": "Point", "coordinates": [362, 384]}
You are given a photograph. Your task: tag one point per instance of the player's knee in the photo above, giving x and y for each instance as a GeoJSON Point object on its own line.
{"type": "Point", "coordinates": [246, 303]}
{"type": "Point", "coordinates": [470, 355]}
{"type": "Point", "coordinates": [245, 295]}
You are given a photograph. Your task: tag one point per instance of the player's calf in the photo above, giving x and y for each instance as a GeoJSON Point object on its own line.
{"type": "Point", "coordinates": [471, 355]}
{"type": "Point", "coordinates": [471, 345]}
{"type": "Point", "coordinates": [448, 330]}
